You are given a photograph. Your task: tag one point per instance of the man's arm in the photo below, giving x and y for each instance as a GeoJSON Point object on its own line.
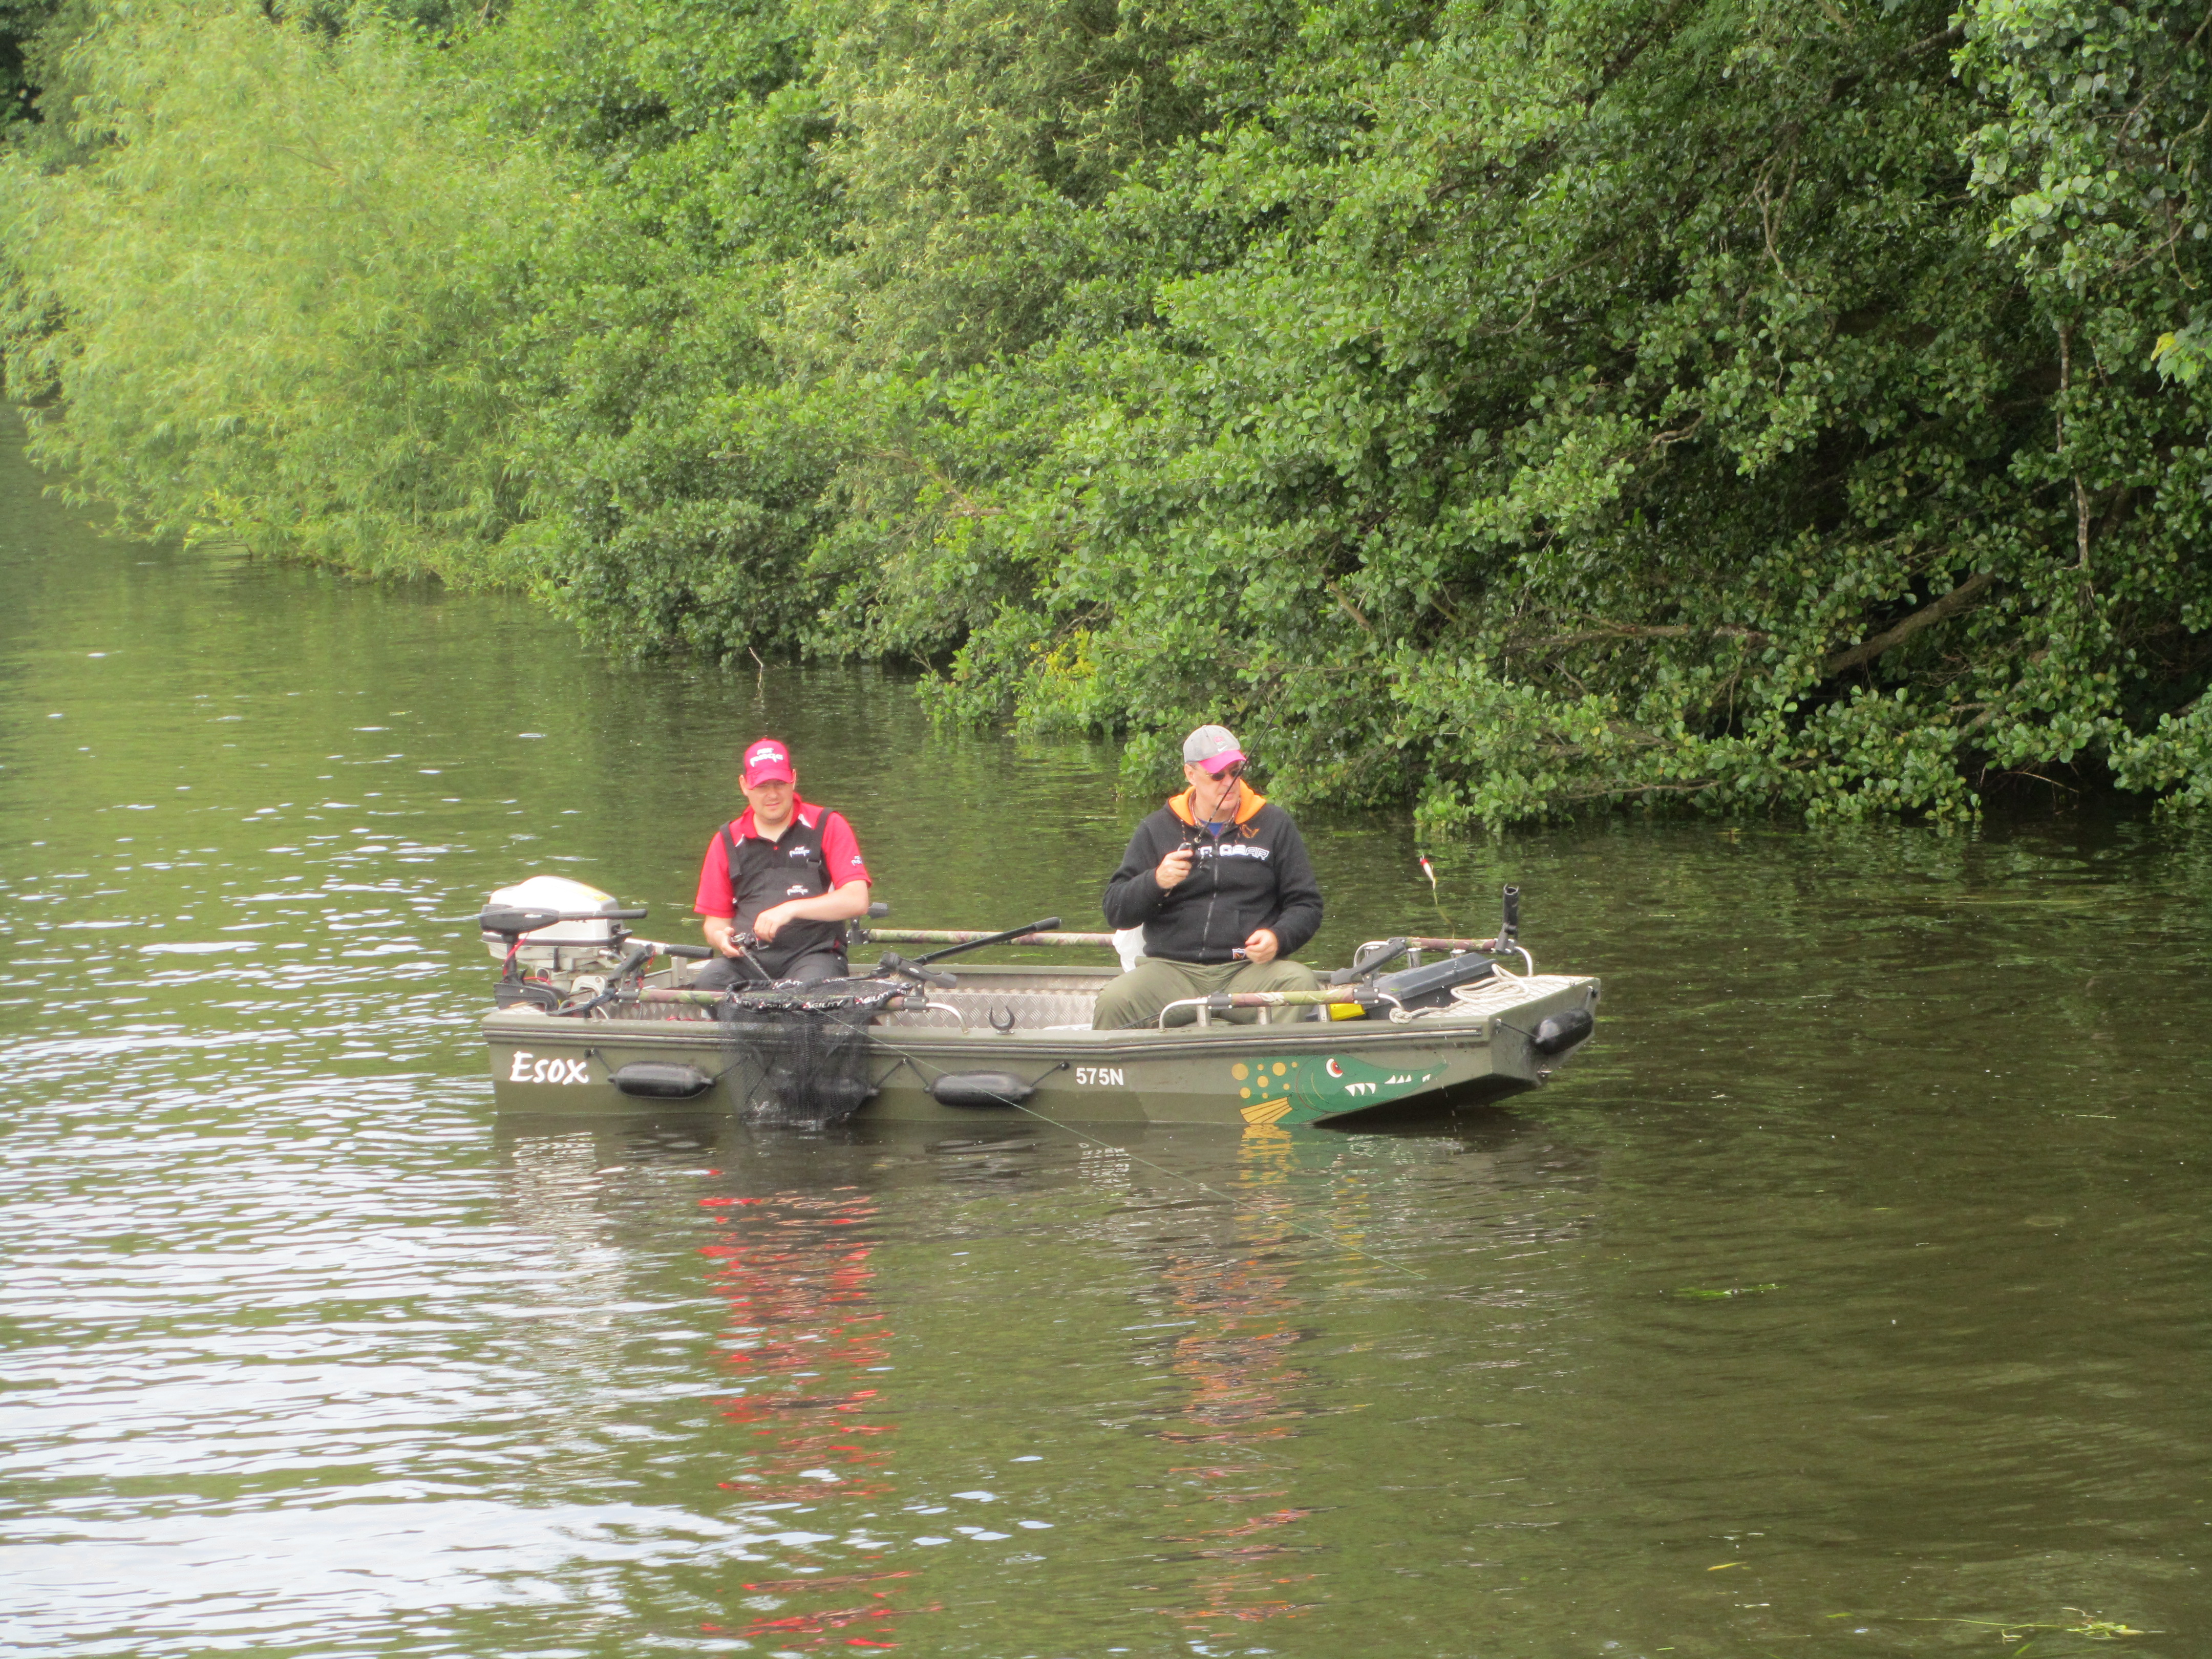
{"type": "Point", "coordinates": [847, 874]}
{"type": "Point", "coordinates": [1134, 892]}
{"type": "Point", "coordinates": [716, 903]}
{"type": "Point", "coordinates": [839, 904]}
{"type": "Point", "coordinates": [1299, 893]}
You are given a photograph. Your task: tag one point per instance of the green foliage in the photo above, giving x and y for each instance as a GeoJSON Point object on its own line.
{"type": "Point", "coordinates": [1788, 405]}
{"type": "Point", "coordinates": [671, 502]}
{"type": "Point", "coordinates": [2094, 161]}
{"type": "Point", "coordinates": [268, 297]}
{"type": "Point", "coordinates": [1587, 387]}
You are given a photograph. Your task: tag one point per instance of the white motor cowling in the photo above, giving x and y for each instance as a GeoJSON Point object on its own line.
{"type": "Point", "coordinates": [591, 937]}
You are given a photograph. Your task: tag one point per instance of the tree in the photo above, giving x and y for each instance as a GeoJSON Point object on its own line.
{"type": "Point", "coordinates": [266, 287]}
{"type": "Point", "coordinates": [1791, 405]}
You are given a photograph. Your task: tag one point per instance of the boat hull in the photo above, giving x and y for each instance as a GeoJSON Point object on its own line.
{"type": "Point", "coordinates": [1255, 1076]}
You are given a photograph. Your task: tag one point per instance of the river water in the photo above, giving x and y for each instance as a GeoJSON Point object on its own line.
{"type": "Point", "coordinates": [1847, 1298]}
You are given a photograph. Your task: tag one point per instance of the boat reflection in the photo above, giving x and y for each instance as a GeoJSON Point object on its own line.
{"type": "Point", "coordinates": [1235, 1525]}
{"type": "Point", "coordinates": [1256, 1263]}
{"type": "Point", "coordinates": [801, 1348]}
{"type": "Point", "coordinates": [1238, 1245]}
{"type": "Point", "coordinates": [810, 1348]}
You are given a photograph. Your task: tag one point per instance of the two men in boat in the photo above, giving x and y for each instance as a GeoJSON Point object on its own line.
{"type": "Point", "coordinates": [1219, 880]}
{"type": "Point", "coordinates": [786, 872]}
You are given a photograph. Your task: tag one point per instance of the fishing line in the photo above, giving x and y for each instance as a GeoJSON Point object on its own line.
{"type": "Point", "coordinates": [1435, 896]}
{"type": "Point", "coordinates": [1221, 799]}
{"type": "Point", "coordinates": [1214, 831]}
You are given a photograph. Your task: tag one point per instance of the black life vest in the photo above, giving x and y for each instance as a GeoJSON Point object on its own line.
{"type": "Point", "coordinates": [764, 873]}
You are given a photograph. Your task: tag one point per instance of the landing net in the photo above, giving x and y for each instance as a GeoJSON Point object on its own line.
{"type": "Point", "coordinates": [799, 1058]}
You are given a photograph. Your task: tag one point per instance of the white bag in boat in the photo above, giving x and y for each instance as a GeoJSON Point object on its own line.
{"type": "Point", "coordinates": [1130, 942]}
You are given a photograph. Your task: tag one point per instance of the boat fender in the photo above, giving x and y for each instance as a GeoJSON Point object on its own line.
{"type": "Point", "coordinates": [654, 1080]}
{"type": "Point", "coordinates": [1562, 1031]}
{"type": "Point", "coordinates": [980, 1089]}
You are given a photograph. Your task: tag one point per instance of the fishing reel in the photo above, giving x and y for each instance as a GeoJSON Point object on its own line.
{"type": "Point", "coordinates": [742, 946]}
{"type": "Point", "coordinates": [891, 964]}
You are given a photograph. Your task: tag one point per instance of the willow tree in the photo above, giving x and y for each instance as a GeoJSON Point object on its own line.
{"type": "Point", "coordinates": [261, 279]}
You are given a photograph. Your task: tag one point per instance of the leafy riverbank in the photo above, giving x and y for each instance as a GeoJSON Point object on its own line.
{"type": "Point", "coordinates": [1790, 403]}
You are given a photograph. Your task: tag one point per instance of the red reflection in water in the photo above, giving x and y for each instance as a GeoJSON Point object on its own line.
{"type": "Point", "coordinates": [1235, 1359]}
{"type": "Point", "coordinates": [803, 1336]}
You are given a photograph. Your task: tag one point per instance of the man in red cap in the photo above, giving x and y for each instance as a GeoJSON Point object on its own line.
{"type": "Point", "coordinates": [787, 872]}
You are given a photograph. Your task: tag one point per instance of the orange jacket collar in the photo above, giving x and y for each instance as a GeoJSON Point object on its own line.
{"type": "Point", "coordinates": [1252, 801]}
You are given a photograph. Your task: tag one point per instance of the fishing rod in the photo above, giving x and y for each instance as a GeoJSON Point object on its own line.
{"type": "Point", "coordinates": [641, 951]}
{"type": "Point", "coordinates": [961, 936]}
{"type": "Point", "coordinates": [918, 967]}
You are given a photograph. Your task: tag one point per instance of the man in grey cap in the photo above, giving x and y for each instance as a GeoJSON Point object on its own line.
{"type": "Point", "coordinates": [1219, 881]}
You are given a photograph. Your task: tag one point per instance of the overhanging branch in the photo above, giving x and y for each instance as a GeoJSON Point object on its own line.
{"type": "Point", "coordinates": [1926, 617]}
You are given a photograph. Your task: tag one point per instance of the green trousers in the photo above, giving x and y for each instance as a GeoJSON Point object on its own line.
{"type": "Point", "coordinates": [1137, 997]}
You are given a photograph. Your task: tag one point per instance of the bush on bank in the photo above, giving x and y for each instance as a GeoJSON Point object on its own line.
{"type": "Point", "coordinates": [260, 284]}
{"type": "Point", "coordinates": [1753, 404]}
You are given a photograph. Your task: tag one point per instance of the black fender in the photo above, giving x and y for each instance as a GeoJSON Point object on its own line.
{"type": "Point", "coordinates": [1001, 1089]}
{"type": "Point", "coordinates": [644, 1079]}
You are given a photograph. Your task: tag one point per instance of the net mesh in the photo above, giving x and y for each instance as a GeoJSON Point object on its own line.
{"type": "Point", "coordinates": [799, 1058]}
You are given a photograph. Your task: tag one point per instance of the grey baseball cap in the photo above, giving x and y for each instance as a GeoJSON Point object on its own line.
{"type": "Point", "coordinates": [1213, 747]}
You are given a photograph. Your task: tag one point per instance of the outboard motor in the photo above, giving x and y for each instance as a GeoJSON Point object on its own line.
{"type": "Point", "coordinates": [546, 931]}
{"type": "Point", "coordinates": [565, 926]}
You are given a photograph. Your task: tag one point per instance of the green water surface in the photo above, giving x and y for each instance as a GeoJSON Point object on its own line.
{"type": "Point", "coordinates": [1849, 1297]}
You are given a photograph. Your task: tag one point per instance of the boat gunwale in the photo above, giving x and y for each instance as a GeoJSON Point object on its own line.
{"type": "Point", "coordinates": [1449, 1027]}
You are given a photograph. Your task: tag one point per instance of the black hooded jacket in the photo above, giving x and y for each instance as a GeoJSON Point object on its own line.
{"type": "Point", "coordinates": [1255, 874]}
